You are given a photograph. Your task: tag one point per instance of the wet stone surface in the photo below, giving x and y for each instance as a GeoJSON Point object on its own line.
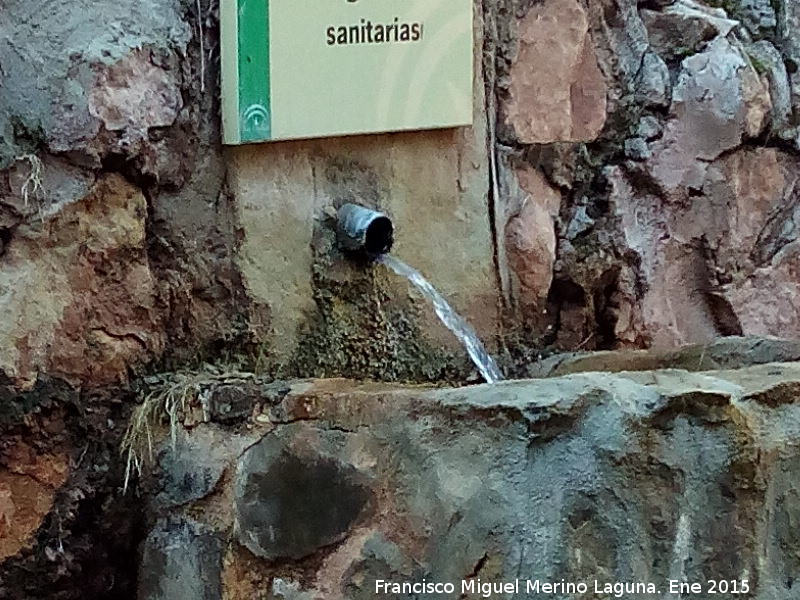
{"type": "Point", "coordinates": [289, 506]}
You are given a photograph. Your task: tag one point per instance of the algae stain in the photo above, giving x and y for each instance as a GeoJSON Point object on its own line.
{"type": "Point", "coordinates": [360, 331]}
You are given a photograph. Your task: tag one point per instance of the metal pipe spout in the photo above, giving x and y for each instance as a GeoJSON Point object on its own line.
{"type": "Point", "coordinates": [365, 230]}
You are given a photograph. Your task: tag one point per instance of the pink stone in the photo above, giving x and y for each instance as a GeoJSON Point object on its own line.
{"type": "Point", "coordinates": [531, 239]}
{"type": "Point", "coordinates": [557, 92]}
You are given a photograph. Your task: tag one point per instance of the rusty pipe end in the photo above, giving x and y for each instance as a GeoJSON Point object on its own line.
{"type": "Point", "coordinates": [363, 229]}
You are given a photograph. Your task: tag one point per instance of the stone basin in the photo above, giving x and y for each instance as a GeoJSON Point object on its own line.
{"type": "Point", "coordinates": [317, 489]}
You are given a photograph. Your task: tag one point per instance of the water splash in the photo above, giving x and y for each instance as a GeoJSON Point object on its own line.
{"type": "Point", "coordinates": [451, 319]}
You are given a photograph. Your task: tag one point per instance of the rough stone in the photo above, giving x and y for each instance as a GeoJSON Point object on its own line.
{"type": "Point", "coordinates": [290, 590]}
{"type": "Point", "coordinates": [557, 91]}
{"type": "Point", "coordinates": [581, 222]}
{"type": "Point", "coordinates": [758, 16]}
{"type": "Point", "coordinates": [575, 477]}
{"type": "Point", "coordinates": [653, 86]}
{"type": "Point", "coordinates": [530, 240]}
{"type": "Point", "coordinates": [649, 127]}
{"type": "Point", "coordinates": [677, 32]}
{"type": "Point", "coordinates": [127, 234]}
{"type": "Point", "coordinates": [39, 188]}
{"type": "Point", "coordinates": [620, 40]}
{"type": "Point", "coordinates": [758, 102]}
{"type": "Point", "coordinates": [788, 17]}
{"type": "Point", "coordinates": [63, 46]}
{"type": "Point", "coordinates": [688, 10]}
{"type": "Point", "coordinates": [182, 558]}
{"type": "Point", "coordinates": [28, 484]}
{"type": "Point", "coordinates": [757, 245]}
{"type": "Point", "coordinates": [637, 149]}
{"type": "Point", "coordinates": [708, 117]}
{"type": "Point", "coordinates": [669, 314]}
{"type": "Point", "coordinates": [755, 186]}
{"type": "Point", "coordinates": [91, 90]}
{"type": "Point", "coordinates": [182, 477]}
{"type": "Point", "coordinates": [80, 290]}
{"type": "Point", "coordinates": [769, 59]}
{"type": "Point", "coordinates": [723, 353]}
{"type": "Point", "coordinates": [767, 301]}
{"type": "Point", "coordinates": [134, 100]}
{"type": "Point", "coordinates": [706, 262]}
{"type": "Point", "coordinates": [135, 94]}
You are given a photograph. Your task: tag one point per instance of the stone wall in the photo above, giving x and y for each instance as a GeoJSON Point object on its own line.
{"type": "Point", "coordinates": [631, 180]}
{"type": "Point", "coordinates": [651, 190]}
{"type": "Point", "coordinates": [228, 254]}
{"type": "Point", "coordinates": [635, 477]}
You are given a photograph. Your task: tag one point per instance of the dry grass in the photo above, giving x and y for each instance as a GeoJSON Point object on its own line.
{"type": "Point", "coordinates": [164, 405]}
{"type": "Point", "coordinates": [32, 186]}
{"type": "Point", "coordinates": [170, 401]}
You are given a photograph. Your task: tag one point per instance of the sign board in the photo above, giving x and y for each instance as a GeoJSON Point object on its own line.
{"type": "Point", "coordinates": [316, 68]}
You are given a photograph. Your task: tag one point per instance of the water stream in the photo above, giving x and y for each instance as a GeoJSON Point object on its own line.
{"type": "Point", "coordinates": [451, 319]}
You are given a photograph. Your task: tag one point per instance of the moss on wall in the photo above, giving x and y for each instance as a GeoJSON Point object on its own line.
{"type": "Point", "coordinates": [360, 330]}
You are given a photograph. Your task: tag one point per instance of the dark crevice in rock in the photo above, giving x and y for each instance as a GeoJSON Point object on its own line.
{"type": "Point", "coordinates": [494, 196]}
{"type": "Point", "coordinates": [475, 571]}
{"type": "Point", "coordinates": [6, 233]}
{"type": "Point", "coordinates": [606, 307]}
{"type": "Point", "coordinates": [724, 315]}
{"type": "Point", "coordinates": [122, 164]}
{"type": "Point", "coordinates": [85, 546]}
{"type": "Point", "coordinates": [708, 408]}
{"type": "Point", "coordinates": [478, 566]}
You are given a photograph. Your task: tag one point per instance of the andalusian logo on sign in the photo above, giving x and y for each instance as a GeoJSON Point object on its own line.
{"type": "Point", "coordinates": [315, 68]}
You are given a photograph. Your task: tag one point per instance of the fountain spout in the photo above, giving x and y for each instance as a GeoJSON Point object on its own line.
{"type": "Point", "coordinates": [361, 229]}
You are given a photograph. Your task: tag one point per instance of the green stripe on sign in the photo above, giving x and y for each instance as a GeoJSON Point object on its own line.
{"type": "Point", "coordinates": [255, 120]}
